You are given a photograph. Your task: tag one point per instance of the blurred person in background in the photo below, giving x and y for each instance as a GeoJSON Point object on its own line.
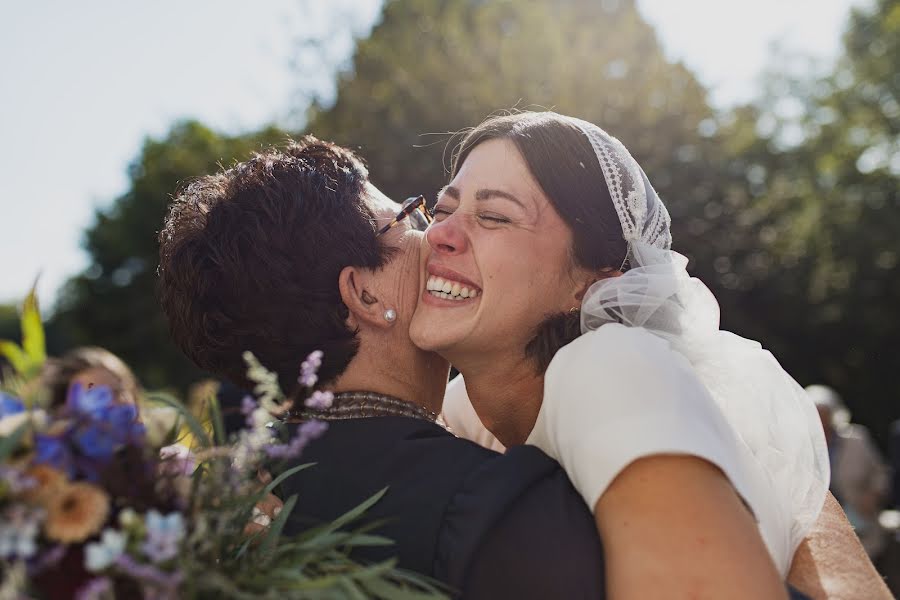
{"type": "Point", "coordinates": [859, 475]}
{"type": "Point", "coordinates": [90, 366]}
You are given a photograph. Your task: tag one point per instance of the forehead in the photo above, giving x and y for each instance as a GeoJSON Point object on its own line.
{"type": "Point", "coordinates": [380, 204]}
{"type": "Point", "coordinates": [498, 164]}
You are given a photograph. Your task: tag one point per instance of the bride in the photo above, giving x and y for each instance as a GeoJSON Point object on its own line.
{"type": "Point", "coordinates": [552, 288]}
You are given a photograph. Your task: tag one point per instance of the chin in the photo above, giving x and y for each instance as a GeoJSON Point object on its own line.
{"type": "Point", "coordinates": [431, 333]}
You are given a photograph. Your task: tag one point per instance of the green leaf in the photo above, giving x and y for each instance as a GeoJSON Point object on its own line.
{"type": "Point", "coordinates": [277, 481]}
{"type": "Point", "coordinates": [33, 340]}
{"type": "Point", "coordinates": [193, 424]}
{"type": "Point", "coordinates": [357, 512]}
{"type": "Point", "coordinates": [274, 531]}
{"type": "Point", "coordinates": [15, 355]}
{"type": "Point", "coordinates": [218, 424]}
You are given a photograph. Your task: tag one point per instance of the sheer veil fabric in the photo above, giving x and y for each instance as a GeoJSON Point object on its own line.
{"type": "Point", "coordinates": [679, 383]}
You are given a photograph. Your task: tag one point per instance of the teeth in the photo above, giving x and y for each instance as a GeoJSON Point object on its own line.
{"type": "Point", "coordinates": [449, 290]}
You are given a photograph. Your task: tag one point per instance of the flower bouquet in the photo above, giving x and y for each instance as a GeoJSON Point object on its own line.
{"type": "Point", "coordinates": [91, 508]}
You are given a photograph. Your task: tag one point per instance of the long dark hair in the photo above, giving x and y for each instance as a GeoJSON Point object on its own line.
{"type": "Point", "coordinates": [564, 164]}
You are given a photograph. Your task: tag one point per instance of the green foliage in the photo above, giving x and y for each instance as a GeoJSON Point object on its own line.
{"type": "Point", "coordinates": [27, 359]}
{"type": "Point", "coordinates": [113, 303]}
{"type": "Point", "coordinates": [429, 68]}
{"type": "Point", "coordinates": [822, 160]}
{"type": "Point", "coordinates": [789, 216]}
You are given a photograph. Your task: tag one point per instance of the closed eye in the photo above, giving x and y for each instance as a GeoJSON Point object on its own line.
{"type": "Point", "coordinates": [440, 211]}
{"type": "Point", "coordinates": [493, 218]}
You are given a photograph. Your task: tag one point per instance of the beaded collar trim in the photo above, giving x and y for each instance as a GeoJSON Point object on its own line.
{"type": "Point", "coordinates": [360, 405]}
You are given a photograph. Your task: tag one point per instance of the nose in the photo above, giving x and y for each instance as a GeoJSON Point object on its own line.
{"type": "Point", "coordinates": [447, 237]}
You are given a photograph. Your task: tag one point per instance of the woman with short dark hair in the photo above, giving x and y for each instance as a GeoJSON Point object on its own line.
{"type": "Point", "coordinates": [295, 251]}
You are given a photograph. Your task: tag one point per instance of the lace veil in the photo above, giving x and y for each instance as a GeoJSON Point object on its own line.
{"type": "Point", "coordinates": [778, 425]}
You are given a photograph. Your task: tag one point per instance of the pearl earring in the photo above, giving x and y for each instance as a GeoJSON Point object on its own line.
{"type": "Point", "coordinates": [390, 315]}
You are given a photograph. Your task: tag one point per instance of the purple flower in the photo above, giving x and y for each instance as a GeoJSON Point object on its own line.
{"type": "Point", "coordinates": [50, 558]}
{"type": "Point", "coordinates": [10, 405]}
{"type": "Point", "coordinates": [176, 460]}
{"type": "Point", "coordinates": [306, 433]}
{"type": "Point", "coordinates": [95, 589]}
{"type": "Point", "coordinates": [320, 400]}
{"type": "Point", "coordinates": [157, 584]}
{"type": "Point", "coordinates": [248, 405]}
{"type": "Point", "coordinates": [309, 368]}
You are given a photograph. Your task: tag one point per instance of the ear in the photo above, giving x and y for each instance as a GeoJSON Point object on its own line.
{"type": "Point", "coordinates": [588, 278]}
{"type": "Point", "coordinates": [366, 310]}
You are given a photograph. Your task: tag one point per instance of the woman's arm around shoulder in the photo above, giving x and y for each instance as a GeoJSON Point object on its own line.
{"type": "Point", "coordinates": [831, 563]}
{"type": "Point", "coordinates": [673, 527]}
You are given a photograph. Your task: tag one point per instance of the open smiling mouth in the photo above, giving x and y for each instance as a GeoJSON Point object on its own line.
{"type": "Point", "coordinates": [448, 289]}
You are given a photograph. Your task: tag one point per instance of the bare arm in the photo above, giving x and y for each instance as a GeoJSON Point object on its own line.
{"type": "Point", "coordinates": [831, 563]}
{"type": "Point", "coordinates": [673, 527]}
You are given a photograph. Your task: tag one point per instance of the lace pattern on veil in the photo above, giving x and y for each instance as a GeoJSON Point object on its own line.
{"type": "Point", "coordinates": [776, 423]}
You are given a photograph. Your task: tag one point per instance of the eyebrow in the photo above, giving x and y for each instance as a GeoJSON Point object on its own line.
{"type": "Point", "coordinates": [482, 194]}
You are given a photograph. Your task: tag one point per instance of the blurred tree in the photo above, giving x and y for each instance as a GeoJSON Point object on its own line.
{"type": "Point", "coordinates": [113, 303]}
{"type": "Point", "coordinates": [822, 160]}
{"type": "Point", "coordinates": [432, 67]}
{"type": "Point", "coordinates": [9, 322]}
{"type": "Point", "coordinates": [787, 208]}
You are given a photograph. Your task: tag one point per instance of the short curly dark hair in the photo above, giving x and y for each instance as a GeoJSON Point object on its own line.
{"type": "Point", "coordinates": [250, 259]}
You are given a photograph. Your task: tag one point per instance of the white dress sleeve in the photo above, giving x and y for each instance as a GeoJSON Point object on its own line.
{"type": "Point", "coordinates": [460, 417]}
{"type": "Point", "coordinates": [620, 393]}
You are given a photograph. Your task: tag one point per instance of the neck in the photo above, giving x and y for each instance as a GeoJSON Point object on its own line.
{"type": "Point", "coordinates": [506, 393]}
{"type": "Point", "coordinates": [408, 374]}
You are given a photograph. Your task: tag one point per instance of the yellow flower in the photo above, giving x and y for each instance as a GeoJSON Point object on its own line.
{"type": "Point", "coordinates": [48, 482]}
{"type": "Point", "coordinates": [76, 512]}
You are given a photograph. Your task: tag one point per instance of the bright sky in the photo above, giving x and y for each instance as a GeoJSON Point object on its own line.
{"type": "Point", "coordinates": [83, 83]}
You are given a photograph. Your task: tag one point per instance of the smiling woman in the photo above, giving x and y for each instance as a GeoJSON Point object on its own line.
{"type": "Point", "coordinates": [496, 206]}
{"type": "Point", "coordinates": [550, 215]}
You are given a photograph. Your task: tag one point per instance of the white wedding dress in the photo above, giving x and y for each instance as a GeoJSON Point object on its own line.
{"type": "Point", "coordinates": [652, 373]}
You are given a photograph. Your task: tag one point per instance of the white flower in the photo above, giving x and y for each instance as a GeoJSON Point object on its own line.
{"type": "Point", "coordinates": [18, 530]}
{"type": "Point", "coordinates": [260, 418]}
{"type": "Point", "coordinates": [128, 517]}
{"type": "Point", "coordinates": [12, 422]}
{"type": "Point", "coordinates": [164, 532]}
{"type": "Point", "coordinates": [100, 555]}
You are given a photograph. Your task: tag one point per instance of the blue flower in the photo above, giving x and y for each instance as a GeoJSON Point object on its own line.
{"type": "Point", "coordinates": [164, 532]}
{"type": "Point", "coordinates": [53, 451]}
{"type": "Point", "coordinates": [90, 402]}
{"type": "Point", "coordinates": [97, 440]}
{"type": "Point", "coordinates": [10, 405]}
{"type": "Point", "coordinates": [123, 418]}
